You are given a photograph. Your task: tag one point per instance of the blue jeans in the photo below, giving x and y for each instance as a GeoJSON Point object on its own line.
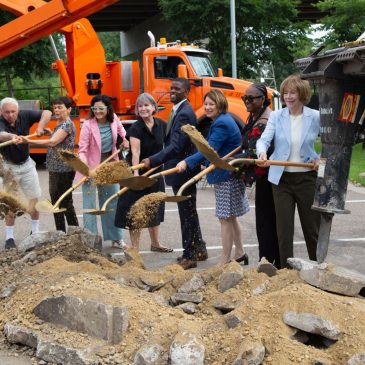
{"type": "Point", "coordinates": [110, 231]}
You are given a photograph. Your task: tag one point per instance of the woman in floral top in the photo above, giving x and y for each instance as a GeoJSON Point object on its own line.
{"type": "Point", "coordinates": [61, 175]}
{"type": "Point", "coordinates": [257, 104]}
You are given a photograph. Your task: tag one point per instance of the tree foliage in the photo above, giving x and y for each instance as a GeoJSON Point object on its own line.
{"type": "Point", "coordinates": [111, 44]}
{"type": "Point", "coordinates": [266, 31]}
{"type": "Point", "coordinates": [345, 21]}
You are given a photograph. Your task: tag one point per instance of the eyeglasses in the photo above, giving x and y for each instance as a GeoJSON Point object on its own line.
{"type": "Point", "coordinates": [250, 98]}
{"type": "Point", "coordinates": [98, 108]}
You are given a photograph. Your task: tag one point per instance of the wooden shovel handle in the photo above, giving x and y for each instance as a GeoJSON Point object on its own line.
{"type": "Point", "coordinates": [8, 143]}
{"type": "Point", "coordinates": [309, 165]}
{"type": "Point", "coordinates": [137, 167]}
{"type": "Point", "coordinates": [166, 172]}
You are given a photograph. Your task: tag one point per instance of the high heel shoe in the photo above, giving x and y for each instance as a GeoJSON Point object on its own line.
{"type": "Point", "coordinates": [243, 258]}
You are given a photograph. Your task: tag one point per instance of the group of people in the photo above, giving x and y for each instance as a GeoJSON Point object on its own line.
{"type": "Point", "coordinates": [286, 134]}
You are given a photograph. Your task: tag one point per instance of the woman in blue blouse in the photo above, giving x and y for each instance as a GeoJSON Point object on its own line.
{"type": "Point", "coordinates": [231, 199]}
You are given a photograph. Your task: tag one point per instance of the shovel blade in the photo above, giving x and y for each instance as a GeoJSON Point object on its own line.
{"type": "Point", "coordinates": [177, 198]}
{"type": "Point", "coordinates": [45, 206]}
{"type": "Point", "coordinates": [137, 182]}
{"type": "Point", "coordinates": [73, 161]}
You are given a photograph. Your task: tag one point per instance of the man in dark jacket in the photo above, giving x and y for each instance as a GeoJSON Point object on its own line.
{"type": "Point", "coordinates": [177, 147]}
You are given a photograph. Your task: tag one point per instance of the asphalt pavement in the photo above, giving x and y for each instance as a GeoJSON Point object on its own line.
{"type": "Point", "coordinates": [347, 241]}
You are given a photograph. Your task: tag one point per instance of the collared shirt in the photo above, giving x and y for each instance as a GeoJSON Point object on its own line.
{"type": "Point", "coordinates": [176, 106]}
{"type": "Point", "coordinates": [19, 153]}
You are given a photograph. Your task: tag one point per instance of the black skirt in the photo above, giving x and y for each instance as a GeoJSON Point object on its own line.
{"type": "Point", "coordinates": [126, 200]}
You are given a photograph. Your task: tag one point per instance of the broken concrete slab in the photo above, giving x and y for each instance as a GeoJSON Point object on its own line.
{"type": "Point", "coordinates": [87, 238]}
{"type": "Point", "coordinates": [192, 285]}
{"type": "Point", "coordinates": [149, 355]}
{"type": "Point", "coordinates": [40, 239]}
{"type": "Point", "coordinates": [154, 283]}
{"type": "Point", "coordinates": [232, 320]}
{"type": "Point", "coordinates": [297, 263]}
{"type": "Point", "coordinates": [225, 305]}
{"type": "Point", "coordinates": [22, 335]}
{"type": "Point", "coordinates": [188, 308]}
{"type": "Point", "coordinates": [230, 278]}
{"type": "Point", "coordinates": [251, 354]}
{"type": "Point", "coordinates": [179, 298]}
{"type": "Point", "coordinates": [266, 267]}
{"type": "Point", "coordinates": [7, 291]}
{"type": "Point", "coordinates": [186, 349]}
{"type": "Point", "coordinates": [311, 323]}
{"type": "Point", "coordinates": [60, 354]}
{"type": "Point", "coordinates": [358, 359]}
{"type": "Point", "coordinates": [96, 319]}
{"type": "Point", "coordinates": [335, 279]}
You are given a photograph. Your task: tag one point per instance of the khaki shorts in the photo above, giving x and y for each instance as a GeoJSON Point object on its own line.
{"type": "Point", "coordinates": [27, 177]}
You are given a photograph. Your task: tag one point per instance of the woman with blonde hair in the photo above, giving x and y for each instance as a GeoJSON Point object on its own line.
{"type": "Point", "coordinates": [231, 199]}
{"type": "Point", "coordinates": [294, 130]}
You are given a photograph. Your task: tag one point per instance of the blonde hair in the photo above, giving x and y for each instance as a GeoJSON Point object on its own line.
{"type": "Point", "coordinates": [301, 86]}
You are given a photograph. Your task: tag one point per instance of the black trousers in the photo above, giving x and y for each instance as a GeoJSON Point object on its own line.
{"type": "Point", "coordinates": [296, 189]}
{"type": "Point", "coordinates": [192, 240]}
{"type": "Point", "coordinates": [59, 182]}
{"type": "Point", "coordinates": [266, 221]}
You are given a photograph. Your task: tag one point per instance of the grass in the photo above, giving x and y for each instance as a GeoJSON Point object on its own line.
{"type": "Point", "coordinates": [357, 163]}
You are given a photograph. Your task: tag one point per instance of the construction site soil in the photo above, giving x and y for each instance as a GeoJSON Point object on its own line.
{"type": "Point", "coordinates": [72, 269]}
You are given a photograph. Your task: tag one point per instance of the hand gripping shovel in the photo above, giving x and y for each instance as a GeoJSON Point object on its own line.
{"type": "Point", "coordinates": [47, 207]}
{"type": "Point", "coordinates": [103, 209]}
{"type": "Point", "coordinates": [47, 132]}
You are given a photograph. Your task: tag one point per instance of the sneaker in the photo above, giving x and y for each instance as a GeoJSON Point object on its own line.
{"type": "Point", "coordinates": [120, 244]}
{"type": "Point", "coordinates": [9, 244]}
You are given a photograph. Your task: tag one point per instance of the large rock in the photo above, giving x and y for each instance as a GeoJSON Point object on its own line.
{"type": "Point", "coordinates": [149, 355]}
{"type": "Point", "coordinates": [60, 354]}
{"type": "Point", "coordinates": [301, 264]}
{"type": "Point", "coordinates": [335, 279]}
{"type": "Point", "coordinates": [192, 285]}
{"type": "Point", "coordinates": [311, 323]}
{"type": "Point", "coordinates": [40, 239]}
{"type": "Point", "coordinates": [230, 278]}
{"type": "Point", "coordinates": [186, 350]}
{"type": "Point", "coordinates": [96, 319]}
{"type": "Point", "coordinates": [19, 334]}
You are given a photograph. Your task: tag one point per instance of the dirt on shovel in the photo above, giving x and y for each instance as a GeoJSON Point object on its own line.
{"type": "Point", "coordinates": [111, 173]}
{"type": "Point", "coordinates": [9, 203]}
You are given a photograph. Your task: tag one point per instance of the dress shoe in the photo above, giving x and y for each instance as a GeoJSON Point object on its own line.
{"type": "Point", "coordinates": [243, 258]}
{"type": "Point", "coordinates": [187, 264]}
{"type": "Point", "coordinates": [9, 244]}
{"type": "Point", "coordinates": [200, 256]}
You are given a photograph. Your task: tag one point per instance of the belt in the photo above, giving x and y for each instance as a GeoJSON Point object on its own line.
{"type": "Point", "coordinates": [18, 163]}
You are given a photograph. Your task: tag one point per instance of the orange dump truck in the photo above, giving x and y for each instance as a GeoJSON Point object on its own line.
{"type": "Point", "coordinates": [87, 73]}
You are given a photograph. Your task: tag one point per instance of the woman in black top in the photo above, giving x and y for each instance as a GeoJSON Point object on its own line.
{"type": "Point", "coordinates": [146, 138]}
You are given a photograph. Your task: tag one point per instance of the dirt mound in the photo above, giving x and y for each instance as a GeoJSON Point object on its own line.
{"type": "Point", "coordinates": [70, 268]}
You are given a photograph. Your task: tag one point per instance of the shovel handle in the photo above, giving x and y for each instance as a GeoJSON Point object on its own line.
{"type": "Point", "coordinates": [137, 167]}
{"type": "Point", "coordinates": [165, 172]}
{"type": "Point", "coordinates": [10, 141]}
{"type": "Point", "coordinates": [288, 163]}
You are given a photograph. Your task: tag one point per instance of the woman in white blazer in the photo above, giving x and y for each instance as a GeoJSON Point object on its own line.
{"type": "Point", "coordinates": [294, 130]}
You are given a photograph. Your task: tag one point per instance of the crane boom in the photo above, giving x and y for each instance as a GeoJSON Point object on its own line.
{"type": "Point", "coordinates": [39, 18]}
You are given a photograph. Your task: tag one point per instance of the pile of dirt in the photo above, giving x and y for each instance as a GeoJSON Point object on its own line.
{"type": "Point", "coordinates": [72, 269]}
{"type": "Point", "coordinates": [111, 173]}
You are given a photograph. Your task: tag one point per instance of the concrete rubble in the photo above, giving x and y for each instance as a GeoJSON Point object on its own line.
{"type": "Point", "coordinates": [73, 306]}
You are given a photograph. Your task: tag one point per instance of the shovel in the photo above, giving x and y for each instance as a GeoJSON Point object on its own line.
{"type": "Point", "coordinates": [47, 132]}
{"type": "Point", "coordinates": [47, 207]}
{"type": "Point", "coordinates": [143, 182]}
{"type": "Point", "coordinates": [103, 209]}
{"type": "Point", "coordinates": [252, 161]}
{"type": "Point", "coordinates": [204, 172]}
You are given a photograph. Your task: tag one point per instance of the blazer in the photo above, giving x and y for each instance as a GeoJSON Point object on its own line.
{"type": "Point", "coordinates": [224, 136]}
{"type": "Point", "coordinates": [278, 128]}
{"type": "Point", "coordinates": [177, 146]}
{"type": "Point", "coordinates": [90, 142]}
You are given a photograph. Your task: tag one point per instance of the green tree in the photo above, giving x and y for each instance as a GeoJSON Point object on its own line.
{"type": "Point", "coordinates": [265, 31]}
{"type": "Point", "coordinates": [33, 61]}
{"type": "Point", "coordinates": [111, 44]}
{"type": "Point", "coordinates": [345, 21]}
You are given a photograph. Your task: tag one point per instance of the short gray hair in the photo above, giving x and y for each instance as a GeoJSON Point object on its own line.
{"type": "Point", "coordinates": [9, 100]}
{"type": "Point", "coordinates": [145, 97]}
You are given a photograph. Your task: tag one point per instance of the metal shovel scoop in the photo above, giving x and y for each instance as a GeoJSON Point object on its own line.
{"type": "Point", "coordinates": [47, 207]}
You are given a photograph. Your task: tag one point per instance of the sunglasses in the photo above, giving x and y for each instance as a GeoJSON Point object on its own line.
{"type": "Point", "coordinates": [98, 108]}
{"type": "Point", "coordinates": [250, 98]}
